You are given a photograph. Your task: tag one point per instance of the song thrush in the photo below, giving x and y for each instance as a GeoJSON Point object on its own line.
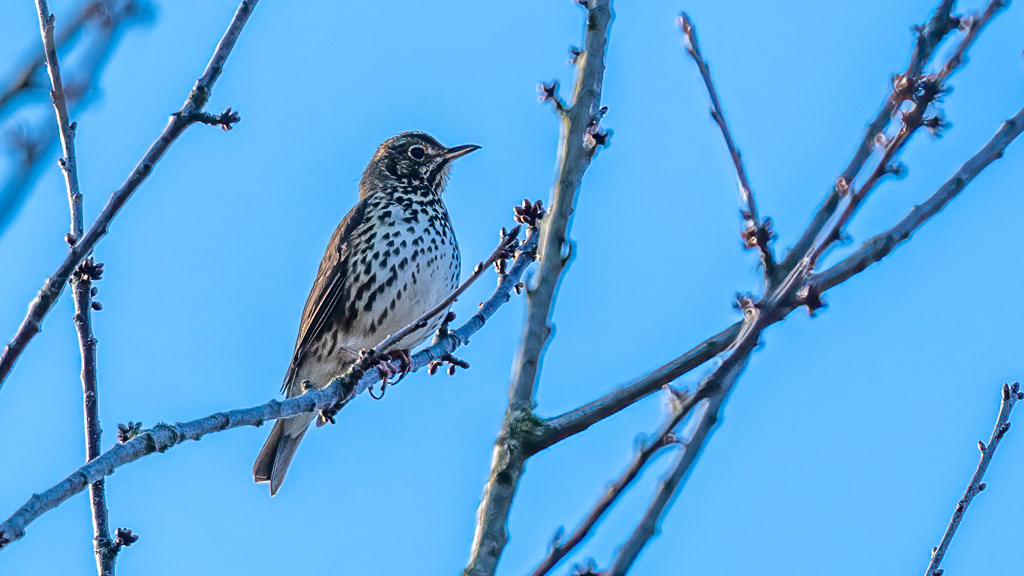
{"type": "Point", "coordinates": [392, 258]}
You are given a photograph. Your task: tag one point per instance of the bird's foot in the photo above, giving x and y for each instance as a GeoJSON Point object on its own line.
{"type": "Point", "coordinates": [452, 362]}
{"type": "Point", "coordinates": [328, 414]}
{"type": "Point", "coordinates": [442, 330]}
{"type": "Point", "coordinates": [387, 369]}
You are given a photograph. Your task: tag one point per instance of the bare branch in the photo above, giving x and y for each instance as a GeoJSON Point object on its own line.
{"type": "Point", "coordinates": [69, 163]}
{"type": "Point", "coordinates": [87, 272]}
{"type": "Point", "coordinates": [883, 244]}
{"type": "Point", "coordinates": [99, 24]}
{"type": "Point", "coordinates": [189, 114]}
{"type": "Point", "coordinates": [341, 389]}
{"type": "Point", "coordinates": [756, 233]}
{"type": "Point", "coordinates": [23, 80]}
{"type": "Point", "coordinates": [560, 427]}
{"type": "Point", "coordinates": [1011, 394]}
{"type": "Point", "coordinates": [923, 93]}
{"type": "Point", "coordinates": [928, 37]}
{"type": "Point", "coordinates": [580, 138]}
{"type": "Point", "coordinates": [666, 438]}
{"type": "Point", "coordinates": [715, 389]}
{"type": "Point", "coordinates": [105, 548]}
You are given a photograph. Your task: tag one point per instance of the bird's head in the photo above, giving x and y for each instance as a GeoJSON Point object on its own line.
{"type": "Point", "coordinates": [414, 158]}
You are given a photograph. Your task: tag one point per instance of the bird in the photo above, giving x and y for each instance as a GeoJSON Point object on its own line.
{"type": "Point", "coordinates": [392, 258]}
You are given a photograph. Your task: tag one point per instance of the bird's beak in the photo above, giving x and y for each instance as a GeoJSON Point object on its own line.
{"type": "Point", "coordinates": [459, 151]}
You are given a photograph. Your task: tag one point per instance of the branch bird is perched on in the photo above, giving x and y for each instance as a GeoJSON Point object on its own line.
{"type": "Point", "coordinates": [392, 259]}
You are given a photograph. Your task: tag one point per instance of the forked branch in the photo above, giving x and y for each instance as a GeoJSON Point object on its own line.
{"type": "Point", "coordinates": [190, 113]}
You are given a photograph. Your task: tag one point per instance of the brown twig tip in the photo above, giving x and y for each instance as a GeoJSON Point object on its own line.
{"type": "Point", "coordinates": [529, 213]}
{"type": "Point", "coordinates": [89, 270]}
{"type": "Point", "coordinates": [226, 119]}
{"type": "Point", "coordinates": [126, 432]}
{"type": "Point", "coordinates": [125, 538]}
{"type": "Point", "coordinates": [588, 569]}
{"type": "Point", "coordinates": [548, 92]}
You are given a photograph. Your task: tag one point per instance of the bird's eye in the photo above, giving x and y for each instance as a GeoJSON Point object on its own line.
{"type": "Point", "coordinates": [417, 152]}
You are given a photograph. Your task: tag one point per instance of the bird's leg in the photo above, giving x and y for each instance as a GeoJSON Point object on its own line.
{"type": "Point", "coordinates": [442, 330]}
{"type": "Point", "coordinates": [387, 370]}
{"type": "Point", "coordinates": [404, 358]}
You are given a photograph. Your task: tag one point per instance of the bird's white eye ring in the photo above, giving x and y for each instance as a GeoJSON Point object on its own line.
{"type": "Point", "coordinates": [417, 152]}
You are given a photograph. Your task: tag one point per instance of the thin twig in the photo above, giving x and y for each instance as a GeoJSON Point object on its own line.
{"type": "Point", "coordinates": [165, 436]}
{"type": "Point", "coordinates": [558, 428]}
{"type": "Point", "coordinates": [559, 548]}
{"type": "Point", "coordinates": [579, 140]}
{"type": "Point", "coordinates": [883, 244]}
{"type": "Point", "coordinates": [189, 114]}
{"type": "Point", "coordinates": [929, 36]}
{"type": "Point", "coordinates": [756, 233]}
{"type": "Point", "coordinates": [508, 240]}
{"type": "Point", "coordinates": [104, 547]}
{"type": "Point", "coordinates": [66, 128]}
{"type": "Point", "coordinates": [715, 389]}
{"type": "Point", "coordinates": [1011, 394]}
{"type": "Point", "coordinates": [24, 79]}
{"type": "Point", "coordinates": [107, 22]}
{"type": "Point", "coordinates": [88, 271]}
{"type": "Point", "coordinates": [923, 93]}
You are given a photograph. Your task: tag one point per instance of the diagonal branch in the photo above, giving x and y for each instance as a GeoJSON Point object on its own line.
{"type": "Point", "coordinates": [883, 244]}
{"type": "Point", "coordinates": [190, 113]}
{"type": "Point", "coordinates": [579, 140]}
{"type": "Point", "coordinates": [756, 233]}
{"type": "Point", "coordinates": [24, 79]}
{"type": "Point", "coordinates": [100, 24]}
{"type": "Point", "coordinates": [665, 439]}
{"type": "Point", "coordinates": [928, 37]}
{"type": "Point", "coordinates": [1011, 394]}
{"type": "Point", "coordinates": [558, 428]}
{"type": "Point", "coordinates": [165, 436]}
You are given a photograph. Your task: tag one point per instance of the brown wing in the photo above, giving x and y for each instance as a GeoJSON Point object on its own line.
{"type": "Point", "coordinates": [328, 289]}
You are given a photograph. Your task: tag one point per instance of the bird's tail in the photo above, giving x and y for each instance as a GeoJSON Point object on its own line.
{"type": "Point", "coordinates": [272, 463]}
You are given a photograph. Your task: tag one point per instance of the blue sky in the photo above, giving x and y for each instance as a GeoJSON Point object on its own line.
{"type": "Point", "coordinates": [843, 449]}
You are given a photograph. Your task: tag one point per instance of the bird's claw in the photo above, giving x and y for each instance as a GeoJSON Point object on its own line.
{"type": "Point", "coordinates": [387, 370]}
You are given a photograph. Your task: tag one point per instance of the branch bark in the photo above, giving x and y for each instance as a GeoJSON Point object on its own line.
{"type": "Point", "coordinates": [781, 300]}
{"type": "Point", "coordinates": [1011, 394]}
{"type": "Point", "coordinates": [756, 232]}
{"type": "Point", "coordinates": [99, 24]}
{"type": "Point", "coordinates": [104, 548]}
{"type": "Point", "coordinates": [190, 113]}
{"type": "Point", "coordinates": [929, 36]}
{"type": "Point", "coordinates": [579, 140]}
{"type": "Point", "coordinates": [164, 436]}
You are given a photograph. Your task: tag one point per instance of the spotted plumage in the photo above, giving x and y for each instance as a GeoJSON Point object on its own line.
{"type": "Point", "coordinates": [390, 260]}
